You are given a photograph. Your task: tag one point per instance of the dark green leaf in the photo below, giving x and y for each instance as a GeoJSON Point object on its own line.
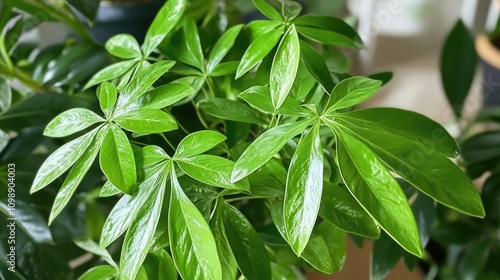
{"type": "Point", "coordinates": [385, 255]}
{"type": "Point", "coordinates": [285, 67]}
{"type": "Point", "coordinates": [291, 9]}
{"type": "Point", "coordinates": [491, 198]}
{"type": "Point", "coordinates": [331, 25]}
{"type": "Point", "coordinates": [146, 121]}
{"type": "Point", "coordinates": [384, 77]}
{"type": "Point", "coordinates": [267, 10]}
{"type": "Point", "coordinates": [107, 95]}
{"type": "Point", "coordinates": [350, 92]}
{"type": "Point", "coordinates": [193, 246]}
{"type": "Point", "coordinates": [228, 262]}
{"type": "Point", "coordinates": [160, 266]}
{"type": "Point", "coordinates": [164, 22]}
{"type": "Point", "coordinates": [326, 37]}
{"type": "Point", "coordinates": [269, 180]}
{"type": "Point", "coordinates": [231, 110]}
{"type": "Point", "coordinates": [458, 65]}
{"type": "Point", "coordinates": [265, 147]}
{"type": "Point", "coordinates": [199, 142]}
{"type": "Point", "coordinates": [225, 68]}
{"type": "Point", "coordinates": [446, 233]}
{"type": "Point", "coordinates": [70, 122]}
{"type": "Point", "coordinates": [87, 7]}
{"type": "Point", "coordinates": [117, 160]}
{"type": "Point", "coordinates": [123, 46]}
{"type": "Point", "coordinates": [472, 263]}
{"type": "Point", "coordinates": [316, 66]}
{"type": "Point", "coordinates": [222, 47]}
{"type": "Point", "coordinates": [102, 272]}
{"type": "Point", "coordinates": [284, 272]}
{"type": "Point", "coordinates": [246, 244]}
{"type": "Point", "coordinates": [304, 187]}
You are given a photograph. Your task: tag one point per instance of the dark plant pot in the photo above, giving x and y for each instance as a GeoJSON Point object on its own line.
{"type": "Point", "coordinates": [132, 17]}
{"type": "Point", "coordinates": [489, 52]}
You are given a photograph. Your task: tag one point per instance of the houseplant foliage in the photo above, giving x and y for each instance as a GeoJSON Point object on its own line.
{"type": "Point", "coordinates": [240, 155]}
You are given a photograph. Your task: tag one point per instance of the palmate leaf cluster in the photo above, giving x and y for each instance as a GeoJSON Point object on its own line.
{"type": "Point", "coordinates": [279, 169]}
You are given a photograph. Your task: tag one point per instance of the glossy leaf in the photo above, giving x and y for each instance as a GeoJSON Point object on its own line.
{"type": "Point", "coordinates": [199, 142]}
{"type": "Point", "coordinates": [139, 237]}
{"type": "Point", "coordinates": [340, 208]}
{"type": "Point", "coordinates": [259, 49]}
{"type": "Point", "coordinates": [162, 96]}
{"type": "Point", "coordinates": [5, 94]}
{"type": "Point", "coordinates": [377, 191]}
{"type": "Point", "coordinates": [159, 265]}
{"type": "Point", "coordinates": [259, 97]}
{"type": "Point", "coordinates": [385, 255]}
{"type": "Point", "coordinates": [269, 180]}
{"type": "Point", "coordinates": [193, 44]}
{"type": "Point", "coordinates": [285, 67]}
{"type": "Point", "coordinates": [316, 65]}
{"type": "Point", "coordinates": [101, 272]}
{"type": "Point", "coordinates": [458, 65]}
{"type": "Point", "coordinates": [110, 72]}
{"type": "Point", "coordinates": [117, 160]}
{"type": "Point", "coordinates": [192, 244]}
{"type": "Point", "coordinates": [266, 9]}
{"type": "Point", "coordinates": [90, 246]}
{"type": "Point", "coordinates": [61, 160]}
{"type": "Point", "coordinates": [70, 122]}
{"type": "Point", "coordinates": [225, 68]}
{"type": "Point", "coordinates": [246, 244]}
{"type": "Point", "coordinates": [227, 260]}
{"type": "Point", "coordinates": [334, 28]}
{"type": "Point", "coordinates": [303, 190]}
{"type": "Point", "coordinates": [265, 147]}
{"type": "Point", "coordinates": [231, 110]}
{"type": "Point", "coordinates": [291, 9]}
{"type": "Point", "coordinates": [351, 92]}
{"type": "Point", "coordinates": [211, 170]}
{"type": "Point", "coordinates": [164, 22]}
{"type": "Point", "coordinates": [123, 46]}
{"type": "Point", "coordinates": [76, 175]}
{"type": "Point", "coordinates": [222, 47]}
{"type": "Point", "coordinates": [284, 272]}
{"type": "Point", "coordinates": [107, 95]}
{"type": "Point", "coordinates": [108, 190]}
{"type": "Point", "coordinates": [147, 121]}
{"type": "Point", "coordinates": [326, 37]}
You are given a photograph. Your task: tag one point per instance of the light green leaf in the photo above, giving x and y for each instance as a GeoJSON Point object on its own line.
{"type": "Point", "coordinates": [193, 44]}
{"type": "Point", "coordinates": [147, 121]}
{"type": "Point", "coordinates": [76, 175]}
{"type": "Point", "coordinates": [117, 160]}
{"type": "Point", "coordinates": [259, 97]}
{"type": "Point", "coordinates": [5, 94]}
{"type": "Point", "coordinates": [109, 190]}
{"type": "Point", "coordinates": [211, 170]}
{"type": "Point", "coordinates": [192, 244]}
{"type": "Point", "coordinates": [110, 72]}
{"type": "Point", "coordinates": [123, 46]}
{"type": "Point", "coordinates": [140, 235]}
{"type": "Point", "coordinates": [284, 272]}
{"type": "Point", "coordinates": [164, 22]}
{"type": "Point", "coordinates": [102, 272]}
{"type": "Point", "coordinates": [246, 244]}
{"type": "Point", "coordinates": [231, 110]}
{"type": "Point", "coordinates": [107, 95]}
{"type": "Point", "coordinates": [162, 96]}
{"type": "Point", "coordinates": [258, 49]}
{"type": "Point", "coordinates": [303, 190]}
{"type": "Point", "coordinates": [341, 209]}
{"type": "Point", "coordinates": [285, 67]}
{"type": "Point", "coordinates": [265, 147]}
{"type": "Point", "coordinates": [160, 266]}
{"type": "Point", "coordinates": [225, 68]}
{"type": "Point", "coordinates": [199, 142]}
{"type": "Point", "coordinates": [267, 10]}
{"type": "Point", "coordinates": [350, 92]}
{"type": "Point", "coordinates": [70, 122]}
{"type": "Point", "coordinates": [377, 191]}
{"type": "Point", "coordinates": [222, 47]}
{"type": "Point", "coordinates": [61, 160]}
{"type": "Point", "coordinates": [4, 140]}
{"type": "Point", "coordinates": [90, 246]}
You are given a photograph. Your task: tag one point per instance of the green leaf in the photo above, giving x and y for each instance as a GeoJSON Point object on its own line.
{"type": "Point", "coordinates": [259, 49]}
{"type": "Point", "coordinates": [385, 255]}
{"type": "Point", "coordinates": [61, 160]}
{"type": "Point", "coordinates": [199, 142]}
{"type": "Point", "coordinates": [126, 209]}
{"type": "Point", "coordinates": [227, 260]}
{"type": "Point", "coordinates": [491, 198]}
{"type": "Point", "coordinates": [291, 9]}
{"type": "Point", "coordinates": [334, 30]}
{"type": "Point", "coordinates": [316, 65]}
{"type": "Point", "coordinates": [474, 260]}
{"type": "Point", "coordinates": [304, 187]}
{"type": "Point", "coordinates": [162, 96]}
{"type": "Point", "coordinates": [87, 7]}
{"type": "Point", "coordinates": [341, 209]}
{"type": "Point", "coordinates": [164, 22]}
{"type": "Point", "coordinates": [110, 72]}
{"type": "Point", "coordinates": [446, 233]}
{"type": "Point", "coordinates": [211, 170]}
{"type": "Point", "coordinates": [285, 67]}
{"type": "Point", "coordinates": [101, 272]}
{"type": "Point", "coordinates": [5, 94]}
{"type": "Point", "coordinates": [231, 110]}
{"type": "Point", "coordinates": [108, 190]}
{"type": "Point", "coordinates": [265, 147]}
{"type": "Point", "coordinates": [76, 175]}
{"type": "Point", "coordinates": [140, 235]}
{"type": "Point", "coordinates": [71, 121]}
{"type": "Point", "coordinates": [147, 121]}
{"type": "Point", "coordinates": [192, 244]}
{"type": "Point", "coordinates": [458, 65]}
{"type": "Point", "coordinates": [222, 47]}
{"type": "Point", "coordinates": [90, 246]}
{"type": "Point", "coordinates": [4, 140]}
{"type": "Point", "coordinates": [325, 37]}
{"type": "Point", "coordinates": [269, 180]}
{"type": "Point", "coordinates": [225, 68]}
{"type": "Point", "coordinates": [284, 272]}
{"type": "Point", "coordinates": [193, 44]}
{"type": "Point", "coordinates": [377, 191]}
{"type": "Point", "coordinates": [246, 244]}
{"type": "Point", "coordinates": [117, 160]}
{"type": "Point", "coordinates": [259, 97]}
{"type": "Point", "coordinates": [352, 91]}
{"type": "Point", "coordinates": [160, 266]}
{"type": "Point", "coordinates": [107, 95]}
{"type": "Point", "coordinates": [123, 46]}
{"type": "Point", "coordinates": [267, 10]}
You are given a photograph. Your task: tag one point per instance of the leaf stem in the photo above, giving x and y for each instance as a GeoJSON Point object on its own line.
{"type": "Point", "coordinates": [168, 142]}
{"type": "Point", "coordinates": [244, 198]}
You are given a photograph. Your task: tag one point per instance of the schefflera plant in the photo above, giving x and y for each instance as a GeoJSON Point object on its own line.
{"type": "Point", "coordinates": [184, 213]}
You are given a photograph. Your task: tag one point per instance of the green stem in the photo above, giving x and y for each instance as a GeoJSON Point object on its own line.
{"type": "Point", "coordinates": [244, 198]}
{"type": "Point", "coordinates": [166, 140]}
{"type": "Point", "coordinates": [200, 117]}
{"type": "Point", "coordinates": [24, 78]}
